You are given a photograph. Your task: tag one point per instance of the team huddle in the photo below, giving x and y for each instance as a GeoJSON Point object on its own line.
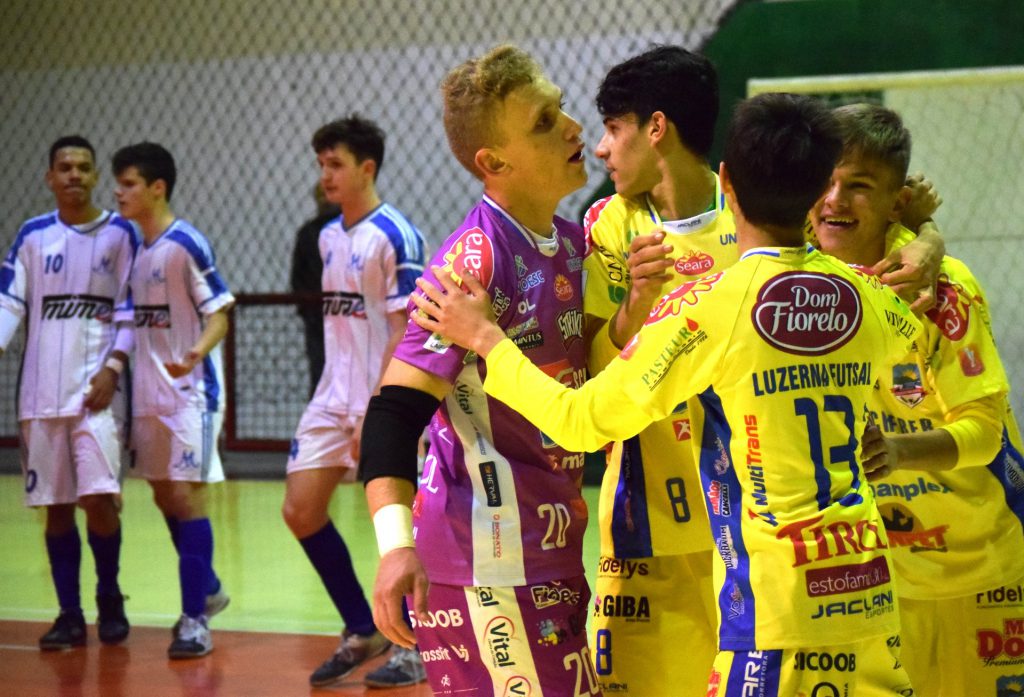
{"type": "Point", "coordinates": [812, 486]}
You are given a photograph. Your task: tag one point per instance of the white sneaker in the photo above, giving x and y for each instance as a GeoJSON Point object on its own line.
{"type": "Point", "coordinates": [191, 638]}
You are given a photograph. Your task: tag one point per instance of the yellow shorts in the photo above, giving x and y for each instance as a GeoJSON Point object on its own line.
{"type": "Point", "coordinates": [971, 645]}
{"type": "Point", "coordinates": [868, 668]}
{"type": "Point", "coordinates": [653, 631]}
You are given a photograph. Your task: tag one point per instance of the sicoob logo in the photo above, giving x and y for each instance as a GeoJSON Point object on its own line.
{"type": "Point", "coordinates": [807, 313]}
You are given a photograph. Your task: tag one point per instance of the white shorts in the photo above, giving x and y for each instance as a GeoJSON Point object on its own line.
{"type": "Point", "coordinates": [66, 458]}
{"type": "Point", "coordinates": [180, 447]}
{"type": "Point", "coordinates": [324, 439]}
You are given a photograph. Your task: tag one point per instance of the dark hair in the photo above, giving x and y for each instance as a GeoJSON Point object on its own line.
{"type": "Point", "coordinates": [363, 137]}
{"type": "Point", "coordinates": [70, 142]}
{"type": "Point", "coordinates": [151, 159]}
{"type": "Point", "coordinates": [876, 133]}
{"type": "Point", "coordinates": [681, 84]}
{"type": "Point", "coordinates": [780, 154]}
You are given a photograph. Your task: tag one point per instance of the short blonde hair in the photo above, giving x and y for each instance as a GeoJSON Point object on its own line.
{"type": "Point", "coordinates": [472, 93]}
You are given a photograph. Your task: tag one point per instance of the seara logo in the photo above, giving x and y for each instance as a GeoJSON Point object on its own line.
{"type": "Point", "coordinates": [807, 313]}
{"type": "Point", "coordinates": [471, 253]}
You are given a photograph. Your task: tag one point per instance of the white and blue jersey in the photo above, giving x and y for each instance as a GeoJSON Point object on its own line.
{"type": "Point", "coordinates": [175, 284]}
{"type": "Point", "coordinates": [370, 268]}
{"type": "Point", "coordinates": [71, 282]}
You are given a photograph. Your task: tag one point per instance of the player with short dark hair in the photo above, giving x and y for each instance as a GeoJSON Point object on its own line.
{"type": "Point", "coordinates": [952, 499]}
{"type": "Point", "coordinates": [371, 256]}
{"type": "Point", "coordinates": [178, 383]}
{"type": "Point", "coordinates": [782, 351]}
{"type": "Point", "coordinates": [499, 518]}
{"type": "Point", "coordinates": [668, 223]}
{"type": "Point", "coordinates": [67, 274]}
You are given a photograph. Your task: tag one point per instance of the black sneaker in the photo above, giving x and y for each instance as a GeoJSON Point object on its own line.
{"type": "Point", "coordinates": [68, 631]}
{"type": "Point", "coordinates": [353, 650]}
{"type": "Point", "coordinates": [111, 624]}
{"type": "Point", "coordinates": [404, 667]}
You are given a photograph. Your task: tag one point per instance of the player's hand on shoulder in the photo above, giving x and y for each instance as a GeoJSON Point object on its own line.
{"type": "Point", "coordinates": [102, 387]}
{"type": "Point", "coordinates": [400, 573]}
{"type": "Point", "coordinates": [460, 312]}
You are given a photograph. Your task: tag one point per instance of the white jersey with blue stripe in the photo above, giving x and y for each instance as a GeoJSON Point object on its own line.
{"type": "Point", "coordinates": [175, 284]}
{"type": "Point", "coordinates": [370, 269]}
{"type": "Point", "coordinates": [71, 283]}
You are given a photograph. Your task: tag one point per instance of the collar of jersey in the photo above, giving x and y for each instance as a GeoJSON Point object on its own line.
{"type": "Point", "coordinates": [780, 252]}
{"type": "Point", "coordinates": [160, 236]}
{"type": "Point", "coordinates": [693, 223]}
{"type": "Point", "coordinates": [349, 228]}
{"type": "Point", "coordinates": [545, 245]}
{"type": "Point", "coordinates": [91, 226]}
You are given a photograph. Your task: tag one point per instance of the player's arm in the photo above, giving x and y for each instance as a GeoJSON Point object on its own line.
{"type": "Point", "coordinates": [647, 263]}
{"type": "Point", "coordinates": [395, 419]}
{"type": "Point", "coordinates": [575, 419]}
{"type": "Point", "coordinates": [913, 269]}
{"type": "Point", "coordinates": [214, 331]}
{"type": "Point", "coordinates": [103, 384]}
{"type": "Point", "coordinates": [9, 323]}
{"type": "Point", "coordinates": [396, 330]}
{"type": "Point", "coordinates": [971, 438]}
{"type": "Point", "coordinates": [13, 290]}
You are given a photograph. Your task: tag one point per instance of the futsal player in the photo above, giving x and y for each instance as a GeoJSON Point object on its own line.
{"type": "Point", "coordinates": [181, 306]}
{"type": "Point", "coordinates": [953, 501]}
{"type": "Point", "coordinates": [500, 597]}
{"type": "Point", "coordinates": [371, 257]}
{"type": "Point", "coordinates": [67, 274]}
{"type": "Point", "coordinates": [782, 351]}
{"type": "Point", "coordinates": [668, 223]}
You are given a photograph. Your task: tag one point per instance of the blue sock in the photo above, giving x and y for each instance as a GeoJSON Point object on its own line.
{"type": "Point", "coordinates": [106, 551]}
{"type": "Point", "coordinates": [329, 556]}
{"type": "Point", "coordinates": [65, 552]}
{"type": "Point", "coordinates": [172, 527]}
{"type": "Point", "coordinates": [195, 554]}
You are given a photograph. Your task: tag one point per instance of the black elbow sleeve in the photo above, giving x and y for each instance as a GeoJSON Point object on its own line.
{"type": "Point", "coordinates": [394, 421]}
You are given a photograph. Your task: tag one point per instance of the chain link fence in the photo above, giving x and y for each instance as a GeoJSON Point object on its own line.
{"type": "Point", "coordinates": [235, 89]}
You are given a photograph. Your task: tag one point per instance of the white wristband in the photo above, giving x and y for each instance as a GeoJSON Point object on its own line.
{"type": "Point", "coordinates": [115, 364]}
{"type": "Point", "coordinates": [393, 525]}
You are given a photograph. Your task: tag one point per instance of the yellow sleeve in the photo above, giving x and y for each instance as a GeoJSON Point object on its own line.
{"type": "Point", "coordinates": [578, 420]}
{"type": "Point", "coordinates": [977, 429]}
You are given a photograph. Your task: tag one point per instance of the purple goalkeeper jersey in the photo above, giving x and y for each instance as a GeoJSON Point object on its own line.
{"type": "Point", "coordinates": [499, 503]}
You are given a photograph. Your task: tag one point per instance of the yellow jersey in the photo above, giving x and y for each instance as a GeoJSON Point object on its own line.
{"type": "Point", "coordinates": [956, 532]}
{"type": "Point", "coordinates": [782, 351]}
{"type": "Point", "coordinates": [650, 502]}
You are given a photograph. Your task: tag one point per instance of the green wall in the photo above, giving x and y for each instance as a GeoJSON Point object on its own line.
{"type": "Point", "coordinates": [829, 37]}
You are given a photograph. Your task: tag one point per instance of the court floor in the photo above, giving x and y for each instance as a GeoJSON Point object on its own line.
{"type": "Point", "coordinates": [274, 592]}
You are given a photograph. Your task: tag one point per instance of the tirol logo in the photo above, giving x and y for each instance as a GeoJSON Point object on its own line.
{"type": "Point", "coordinates": [694, 264]}
{"type": "Point", "coordinates": [471, 253]}
{"type": "Point", "coordinates": [807, 313]}
{"type": "Point", "coordinates": [684, 294]}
